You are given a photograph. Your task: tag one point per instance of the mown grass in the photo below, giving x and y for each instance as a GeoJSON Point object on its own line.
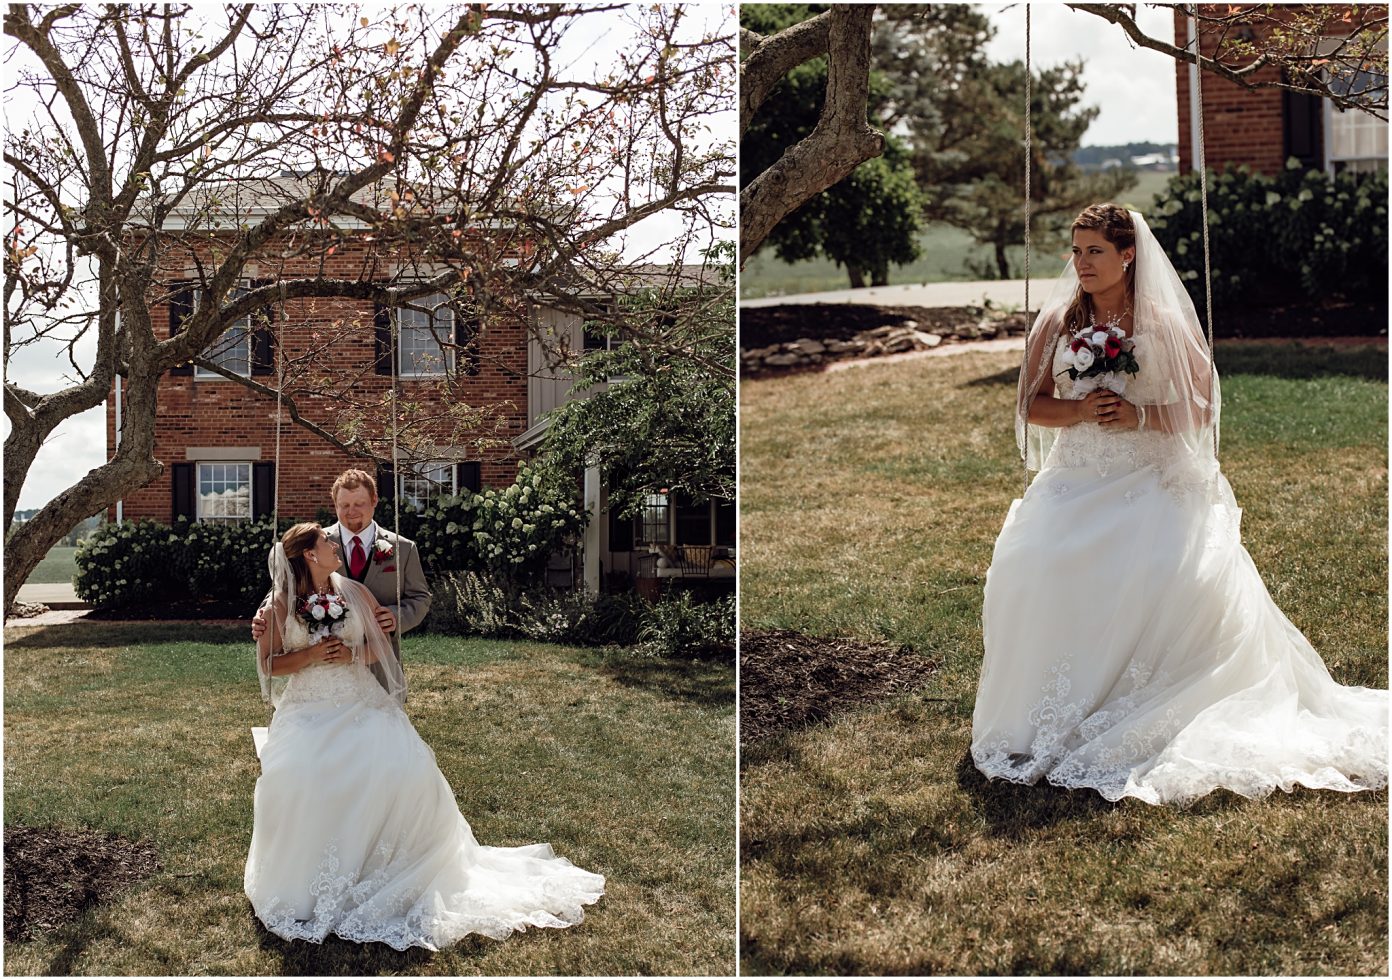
{"type": "Point", "coordinates": [58, 567]}
{"type": "Point", "coordinates": [870, 500]}
{"type": "Point", "coordinates": [625, 764]}
{"type": "Point", "coordinates": [948, 255]}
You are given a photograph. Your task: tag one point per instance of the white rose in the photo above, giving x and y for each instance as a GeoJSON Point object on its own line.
{"type": "Point", "coordinates": [1083, 358]}
{"type": "Point", "coordinates": [1099, 338]}
{"type": "Point", "coordinates": [317, 612]}
{"type": "Point", "coordinates": [1115, 331]}
{"type": "Point", "coordinates": [335, 610]}
{"type": "Point", "coordinates": [381, 545]}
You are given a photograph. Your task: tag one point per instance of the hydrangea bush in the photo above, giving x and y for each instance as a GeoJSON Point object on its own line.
{"type": "Point", "coordinates": [505, 534]}
{"type": "Point", "coordinates": [126, 563]}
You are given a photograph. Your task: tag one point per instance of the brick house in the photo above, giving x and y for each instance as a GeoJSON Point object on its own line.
{"type": "Point", "coordinates": [1263, 128]}
{"type": "Point", "coordinates": [218, 438]}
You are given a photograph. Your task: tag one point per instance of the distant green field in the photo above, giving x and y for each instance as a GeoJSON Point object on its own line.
{"type": "Point", "coordinates": [57, 567]}
{"type": "Point", "coordinates": [947, 252]}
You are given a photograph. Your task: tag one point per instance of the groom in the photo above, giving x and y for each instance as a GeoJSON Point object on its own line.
{"type": "Point", "coordinates": [372, 555]}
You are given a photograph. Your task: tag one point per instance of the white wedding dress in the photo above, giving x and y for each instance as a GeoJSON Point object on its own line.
{"type": "Point", "coordinates": [357, 833]}
{"type": "Point", "coordinates": [1132, 648]}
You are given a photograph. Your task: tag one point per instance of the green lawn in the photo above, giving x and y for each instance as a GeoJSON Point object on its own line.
{"type": "Point", "coordinates": [870, 500]}
{"type": "Point", "coordinates": [625, 764]}
{"type": "Point", "coordinates": [947, 252]}
{"type": "Point", "coordinates": [57, 567]}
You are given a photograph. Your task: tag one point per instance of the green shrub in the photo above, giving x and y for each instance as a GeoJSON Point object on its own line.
{"type": "Point", "coordinates": [126, 563]}
{"type": "Point", "coordinates": [616, 618]}
{"type": "Point", "coordinates": [555, 616]}
{"type": "Point", "coordinates": [680, 626]}
{"type": "Point", "coordinates": [227, 560]}
{"type": "Point", "coordinates": [469, 604]}
{"type": "Point", "coordinates": [507, 534]}
{"type": "Point", "coordinates": [1300, 236]}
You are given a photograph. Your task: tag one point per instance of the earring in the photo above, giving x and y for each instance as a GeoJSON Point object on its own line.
{"type": "Point", "coordinates": [1125, 266]}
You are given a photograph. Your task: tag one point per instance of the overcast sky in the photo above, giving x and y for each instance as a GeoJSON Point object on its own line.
{"type": "Point", "coordinates": [1134, 87]}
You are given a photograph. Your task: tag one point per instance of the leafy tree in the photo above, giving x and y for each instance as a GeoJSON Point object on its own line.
{"type": "Point", "coordinates": [652, 422]}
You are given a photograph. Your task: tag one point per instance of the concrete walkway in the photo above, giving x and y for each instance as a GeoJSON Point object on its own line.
{"type": "Point", "coordinates": [59, 595]}
{"type": "Point", "coordinates": [1001, 293]}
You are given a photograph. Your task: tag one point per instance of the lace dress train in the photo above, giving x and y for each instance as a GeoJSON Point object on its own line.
{"type": "Point", "coordinates": [1132, 647]}
{"type": "Point", "coordinates": [357, 833]}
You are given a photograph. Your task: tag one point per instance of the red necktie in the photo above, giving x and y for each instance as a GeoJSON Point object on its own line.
{"type": "Point", "coordinates": [359, 559]}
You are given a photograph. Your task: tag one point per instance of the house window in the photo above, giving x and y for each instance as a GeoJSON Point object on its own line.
{"type": "Point", "coordinates": [423, 328]}
{"type": "Point", "coordinates": [652, 523]}
{"type": "Point", "coordinates": [597, 336]}
{"type": "Point", "coordinates": [1355, 140]}
{"type": "Point", "coordinates": [421, 483]}
{"type": "Point", "coordinates": [224, 492]}
{"type": "Point", "coordinates": [231, 351]}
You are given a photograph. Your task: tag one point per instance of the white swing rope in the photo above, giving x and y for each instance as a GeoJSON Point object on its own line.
{"type": "Point", "coordinates": [1201, 157]}
{"type": "Point", "coordinates": [395, 477]}
{"type": "Point", "coordinates": [1029, 161]}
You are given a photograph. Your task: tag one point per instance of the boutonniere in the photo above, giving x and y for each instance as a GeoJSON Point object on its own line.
{"type": "Point", "coordinates": [382, 551]}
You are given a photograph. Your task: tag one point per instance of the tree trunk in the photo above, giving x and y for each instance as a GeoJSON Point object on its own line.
{"type": "Point", "coordinates": [841, 141]}
{"type": "Point", "coordinates": [879, 275]}
{"type": "Point", "coordinates": [857, 275]}
{"type": "Point", "coordinates": [1002, 263]}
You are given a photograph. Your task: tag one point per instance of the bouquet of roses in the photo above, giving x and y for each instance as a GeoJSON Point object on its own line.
{"type": "Point", "coordinates": [323, 613]}
{"type": "Point", "coordinates": [1100, 357]}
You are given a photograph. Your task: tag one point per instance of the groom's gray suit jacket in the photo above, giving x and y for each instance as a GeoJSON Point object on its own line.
{"type": "Point", "coordinates": [380, 579]}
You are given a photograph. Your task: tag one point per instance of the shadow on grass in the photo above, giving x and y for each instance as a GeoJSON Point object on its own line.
{"type": "Point", "coordinates": [336, 957]}
{"type": "Point", "coordinates": [1299, 362]}
{"type": "Point", "coordinates": [99, 634]}
{"type": "Point", "coordinates": [708, 683]}
{"type": "Point", "coordinates": [1014, 811]}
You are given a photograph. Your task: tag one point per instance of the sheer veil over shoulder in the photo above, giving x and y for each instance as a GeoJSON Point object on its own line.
{"type": "Point", "coordinates": [1130, 644]}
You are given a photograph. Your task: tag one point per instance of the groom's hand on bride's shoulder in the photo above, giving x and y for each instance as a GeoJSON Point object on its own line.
{"type": "Point", "coordinates": [258, 624]}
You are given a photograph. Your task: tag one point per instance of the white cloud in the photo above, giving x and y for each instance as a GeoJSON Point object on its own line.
{"type": "Point", "coordinates": [1133, 86]}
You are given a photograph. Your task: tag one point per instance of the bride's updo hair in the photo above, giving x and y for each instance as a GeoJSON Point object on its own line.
{"type": "Point", "coordinates": [297, 541]}
{"type": "Point", "coordinates": [1114, 222]}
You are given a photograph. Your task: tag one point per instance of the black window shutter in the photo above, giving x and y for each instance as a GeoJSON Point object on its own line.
{"type": "Point", "coordinates": [725, 519]}
{"type": "Point", "coordinates": [180, 309]}
{"type": "Point", "coordinates": [386, 357]}
{"type": "Point", "coordinates": [263, 336]}
{"type": "Point", "coordinates": [466, 331]}
{"type": "Point", "coordinates": [386, 483]}
{"type": "Point", "coordinates": [620, 532]}
{"type": "Point", "coordinates": [468, 476]}
{"type": "Point", "coordinates": [181, 480]}
{"type": "Point", "coordinates": [1303, 126]}
{"type": "Point", "coordinates": [262, 490]}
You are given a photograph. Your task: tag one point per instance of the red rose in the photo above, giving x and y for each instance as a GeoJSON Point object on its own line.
{"type": "Point", "coordinates": [1113, 347]}
{"type": "Point", "coordinates": [1077, 345]}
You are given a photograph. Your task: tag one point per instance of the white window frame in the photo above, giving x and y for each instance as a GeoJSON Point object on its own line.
{"type": "Point", "coordinates": [1358, 120]}
{"type": "Point", "coordinates": [413, 470]}
{"type": "Point", "coordinates": [200, 513]}
{"type": "Point", "coordinates": [243, 324]}
{"type": "Point", "coordinates": [439, 302]}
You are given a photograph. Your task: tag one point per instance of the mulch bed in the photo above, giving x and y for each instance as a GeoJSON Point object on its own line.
{"type": "Point", "coordinates": [764, 326]}
{"type": "Point", "coordinates": [789, 680]}
{"type": "Point", "coordinates": [54, 875]}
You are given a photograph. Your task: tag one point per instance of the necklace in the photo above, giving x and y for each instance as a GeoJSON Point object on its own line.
{"type": "Point", "coordinates": [1112, 321]}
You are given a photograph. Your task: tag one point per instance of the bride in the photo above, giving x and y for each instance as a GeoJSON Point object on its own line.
{"type": "Point", "coordinates": [356, 831]}
{"type": "Point", "coordinates": [1131, 646]}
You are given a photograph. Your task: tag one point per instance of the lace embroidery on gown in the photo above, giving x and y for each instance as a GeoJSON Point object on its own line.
{"type": "Point", "coordinates": [1132, 647]}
